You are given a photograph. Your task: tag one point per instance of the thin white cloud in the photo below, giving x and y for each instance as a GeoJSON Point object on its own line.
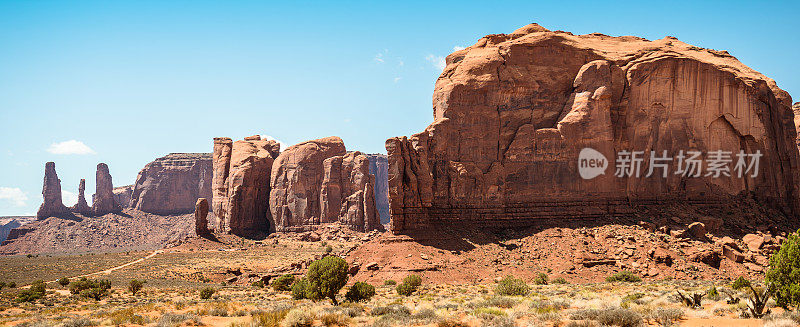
{"type": "Point", "coordinates": [397, 79]}
{"type": "Point", "coordinates": [70, 147]}
{"type": "Point", "coordinates": [436, 61]}
{"type": "Point", "coordinates": [458, 48]}
{"type": "Point", "coordinates": [270, 138]}
{"type": "Point", "coordinates": [68, 198]}
{"type": "Point", "coordinates": [14, 195]}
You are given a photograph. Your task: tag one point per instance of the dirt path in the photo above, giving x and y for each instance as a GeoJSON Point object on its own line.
{"type": "Point", "coordinates": [112, 269]}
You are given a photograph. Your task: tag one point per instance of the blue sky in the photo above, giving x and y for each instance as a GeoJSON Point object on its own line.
{"type": "Point", "coordinates": [83, 82]}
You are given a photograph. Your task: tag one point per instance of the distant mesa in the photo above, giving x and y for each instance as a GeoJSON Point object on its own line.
{"type": "Point", "coordinates": [171, 184]}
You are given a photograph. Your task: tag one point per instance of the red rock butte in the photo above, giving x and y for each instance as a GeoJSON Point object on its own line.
{"type": "Point", "coordinates": [513, 111]}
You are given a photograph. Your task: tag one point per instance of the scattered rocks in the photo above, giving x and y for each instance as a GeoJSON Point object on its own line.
{"type": "Point", "coordinates": [753, 242]}
{"type": "Point", "coordinates": [697, 230]}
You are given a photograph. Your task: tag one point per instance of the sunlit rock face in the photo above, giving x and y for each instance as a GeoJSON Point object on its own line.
{"type": "Point", "coordinates": [512, 113]}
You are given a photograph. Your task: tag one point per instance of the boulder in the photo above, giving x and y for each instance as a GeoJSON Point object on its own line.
{"type": "Point", "coordinates": [512, 113]}
{"type": "Point", "coordinates": [241, 184]}
{"type": "Point", "coordinates": [732, 254]}
{"type": "Point", "coordinates": [753, 242]}
{"type": "Point", "coordinates": [697, 230]}
{"type": "Point", "coordinates": [52, 206]}
{"type": "Point", "coordinates": [173, 183]}
{"type": "Point", "coordinates": [104, 200]}
{"type": "Point", "coordinates": [709, 257]}
{"type": "Point", "coordinates": [81, 206]}
{"type": "Point", "coordinates": [200, 217]}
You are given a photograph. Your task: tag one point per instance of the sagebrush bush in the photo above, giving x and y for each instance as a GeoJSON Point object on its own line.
{"type": "Point", "coordinates": [283, 283]}
{"type": "Point", "coordinates": [270, 318]}
{"type": "Point", "coordinates": [784, 273]}
{"type": "Point", "coordinates": [624, 276]}
{"type": "Point", "coordinates": [326, 277]}
{"type": "Point", "coordinates": [298, 318]}
{"type": "Point", "coordinates": [88, 288]}
{"type": "Point", "coordinates": [390, 282]}
{"type": "Point", "coordinates": [541, 279]}
{"type": "Point", "coordinates": [207, 293]}
{"type": "Point", "coordinates": [409, 285]}
{"type": "Point", "coordinates": [299, 289]}
{"type": "Point", "coordinates": [37, 291]}
{"type": "Point", "coordinates": [560, 280]}
{"type": "Point", "coordinates": [135, 285]}
{"type": "Point", "coordinates": [512, 286]}
{"type": "Point", "coordinates": [740, 283]}
{"type": "Point", "coordinates": [64, 281]}
{"type": "Point", "coordinates": [360, 291]}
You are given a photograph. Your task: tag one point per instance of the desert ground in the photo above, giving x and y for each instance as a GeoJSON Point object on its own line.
{"type": "Point", "coordinates": [465, 287]}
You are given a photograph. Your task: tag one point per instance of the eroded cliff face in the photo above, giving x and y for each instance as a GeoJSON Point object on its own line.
{"type": "Point", "coordinates": [241, 184]}
{"type": "Point", "coordinates": [172, 184]}
{"type": "Point", "coordinates": [512, 113]}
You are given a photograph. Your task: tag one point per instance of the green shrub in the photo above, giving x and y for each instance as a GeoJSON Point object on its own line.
{"type": "Point", "coordinates": [713, 293]}
{"type": "Point", "coordinates": [740, 283]}
{"type": "Point", "coordinates": [360, 291]}
{"type": "Point", "coordinates": [413, 280]}
{"type": "Point", "coordinates": [299, 289]}
{"type": "Point", "coordinates": [409, 285]}
{"type": "Point", "coordinates": [92, 289]}
{"type": "Point", "coordinates": [624, 276]}
{"type": "Point", "coordinates": [135, 285]}
{"type": "Point", "coordinates": [541, 279]}
{"type": "Point", "coordinates": [64, 281]}
{"type": "Point", "coordinates": [283, 283]}
{"type": "Point", "coordinates": [784, 273]}
{"type": "Point", "coordinates": [512, 286]}
{"type": "Point", "coordinates": [560, 280]}
{"type": "Point", "coordinates": [11, 285]}
{"type": "Point", "coordinates": [207, 293]}
{"type": "Point", "coordinates": [326, 277]}
{"type": "Point", "coordinates": [35, 292]}
{"type": "Point", "coordinates": [258, 283]}
{"type": "Point", "coordinates": [610, 317]}
{"type": "Point", "coordinates": [405, 289]}
{"type": "Point", "coordinates": [389, 282]}
{"type": "Point", "coordinates": [3, 285]}
{"type": "Point", "coordinates": [328, 249]}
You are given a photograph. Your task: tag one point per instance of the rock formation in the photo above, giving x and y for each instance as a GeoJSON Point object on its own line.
{"type": "Point", "coordinates": [81, 206]}
{"type": "Point", "coordinates": [379, 167]}
{"type": "Point", "coordinates": [51, 192]}
{"type": "Point", "coordinates": [173, 183]}
{"type": "Point", "coordinates": [296, 180]}
{"type": "Point", "coordinates": [347, 193]}
{"type": "Point", "coordinates": [796, 110]}
{"type": "Point", "coordinates": [512, 113]}
{"type": "Point", "coordinates": [201, 217]}
{"type": "Point", "coordinates": [240, 184]}
{"type": "Point", "coordinates": [104, 201]}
